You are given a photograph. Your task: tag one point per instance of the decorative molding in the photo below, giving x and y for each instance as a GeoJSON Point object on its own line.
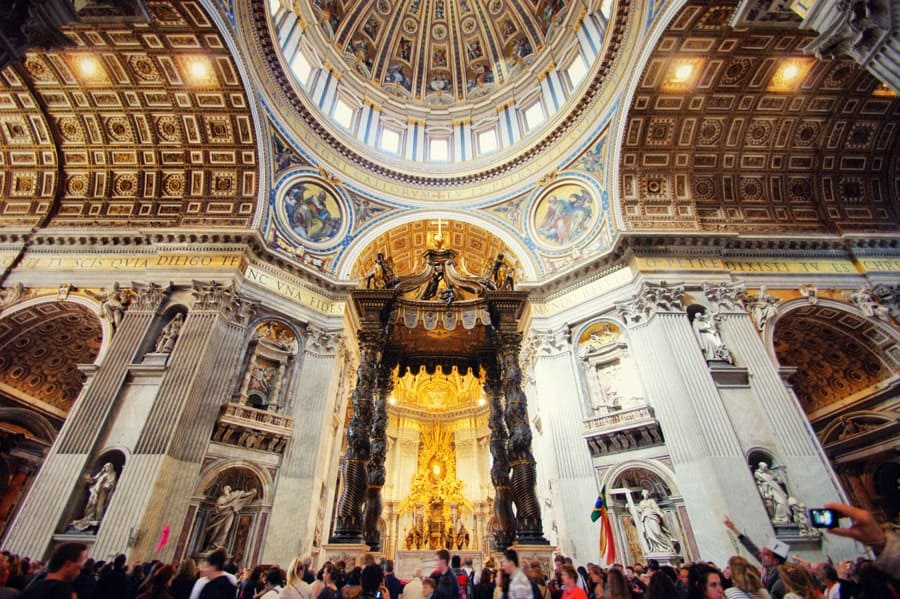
{"type": "Point", "coordinates": [650, 299]}
{"type": "Point", "coordinates": [725, 296]}
{"type": "Point", "coordinates": [148, 296]}
{"type": "Point", "coordinates": [622, 431]}
{"type": "Point", "coordinates": [763, 307]}
{"type": "Point", "coordinates": [323, 342]}
{"type": "Point", "coordinates": [221, 298]}
{"type": "Point", "coordinates": [810, 292]}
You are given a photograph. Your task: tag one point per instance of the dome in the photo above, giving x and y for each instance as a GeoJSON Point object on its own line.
{"type": "Point", "coordinates": [462, 84]}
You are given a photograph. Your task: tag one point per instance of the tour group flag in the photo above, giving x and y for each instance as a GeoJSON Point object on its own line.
{"type": "Point", "coordinates": [607, 545]}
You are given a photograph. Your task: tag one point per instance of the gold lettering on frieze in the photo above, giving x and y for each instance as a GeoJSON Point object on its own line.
{"type": "Point", "coordinates": [746, 266]}
{"type": "Point", "coordinates": [880, 264]}
{"type": "Point", "coordinates": [159, 261]}
{"type": "Point", "coordinates": [299, 294]}
{"type": "Point", "coordinates": [583, 294]}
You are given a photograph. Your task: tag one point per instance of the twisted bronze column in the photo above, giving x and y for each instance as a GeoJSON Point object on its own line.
{"type": "Point", "coordinates": [529, 528]}
{"type": "Point", "coordinates": [349, 522]}
{"type": "Point", "coordinates": [376, 472]}
{"type": "Point", "coordinates": [506, 521]}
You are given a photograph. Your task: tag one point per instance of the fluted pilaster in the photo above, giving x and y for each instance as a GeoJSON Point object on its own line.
{"type": "Point", "coordinates": [300, 474]}
{"type": "Point", "coordinates": [54, 486]}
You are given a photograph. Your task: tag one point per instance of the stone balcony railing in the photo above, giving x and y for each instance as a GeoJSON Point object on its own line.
{"type": "Point", "coordinates": [249, 427]}
{"type": "Point", "coordinates": [622, 431]}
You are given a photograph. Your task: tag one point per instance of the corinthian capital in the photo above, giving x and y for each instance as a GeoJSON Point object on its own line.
{"type": "Point", "coordinates": [650, 299]}
{"type": "Point", "coordinates": [321, 341]}
{"type": "Point", "coordinates": [725, 296]}
{"type": "Point", "coordinates": [553, 341]}
{"type": "Point", "coordinates": [148, 296]}
{"type": "Point", "coordinates": [224, 299]}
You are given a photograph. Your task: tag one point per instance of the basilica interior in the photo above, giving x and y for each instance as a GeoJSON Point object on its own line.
{"type": "Point", "coordinates": [321, 277]}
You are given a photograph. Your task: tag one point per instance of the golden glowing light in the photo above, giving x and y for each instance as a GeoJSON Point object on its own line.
{"type": "Point", "coordinates": [790, 72]}
{"type": "Point", "coordinates": [683, 73]}
{"type": "Point", "coordinates": [89, 66]}
{"type": "Point", "coordinates": [436, 469]}
{"type": "Point", "coordinates": [392, 400]}
{"type": "Point", "coordinates": [481, 401]}
{"type": "Point", "coordinates": [199, 68]}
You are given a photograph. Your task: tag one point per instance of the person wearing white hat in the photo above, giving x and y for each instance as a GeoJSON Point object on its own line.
{"type": "Point", "coordinates": [770, 556]}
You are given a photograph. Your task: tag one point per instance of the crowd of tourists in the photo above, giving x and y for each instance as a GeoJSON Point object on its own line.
{"type": "Point", "coordinates": [69, 574]}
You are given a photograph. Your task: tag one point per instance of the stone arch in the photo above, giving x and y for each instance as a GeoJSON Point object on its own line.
{"type": "Point", "coordinates": [606, 370]}
{"type": "Point", "coordinates": [25, 438]}
{"type": "Point", "coordinates": [665, 474]}
{"type": "Point", "coordinates": [244, 535]}
{"type": "Point", "coordinates": [42, 342]}
{"type": "Point", "coordinates": [837, 352]}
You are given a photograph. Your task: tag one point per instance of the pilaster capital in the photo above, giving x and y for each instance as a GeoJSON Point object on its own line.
{"type": "Point", "coordinates": [725, 297]}
{"type": "Point", "coordinates": [650, 299]}
{"type": "Point", "coordinates": [322, 342]}
{"type": "Point", "coordinates": [148, 296]}
{"type": "Point", "coordinates": [223, 299]}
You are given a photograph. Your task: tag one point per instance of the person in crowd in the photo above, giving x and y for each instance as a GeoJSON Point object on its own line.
{"type": "Point", "coordinates": [329, 582]}
{"type": "Point", "coordinates": [413, 588]}
{"type": "Point", "coordinates": [113, 583]}
{"type": "Point", "coordinates": [63, 568]}
{"type": "Point", "coordinates": [274, 584]}
{"type": "Point", "coordinates": [85, 583]}
{"type": "Point", "coordinates": [318, 584]}
{"type": "Point", "coordinates": [519, 585]}
{"type": "Point", "coordinates": [371, 576]}
{"type": "Point", "coordinates": [215, 582]}
{"type": "Point", "coordinates": [184, 579]}
{"type": "Point", "coordinates": [296, 587]}
{"type": "Point", "coordinates": [485, 587]}
{"type": "Point", "coordinates": [393, 584]}
{"type": "Point", "coordinates": [571, 588]}
{"type": "Point", "coordinates": [429, 586]}
{"type": "Point", "coordinates": [771, 557]}
{"type": "Point", "coordinates": [660, 586]}
{"type": "Point", "coordinates": [252, 584]}
{"type": "Point", "coordinates": [746, 580]}
{"type": "Point", "coordinates": [538, 581]}
{"type": "Point", "coordinates": [309, 576]}
{"type": "Point", "coordinates": [704, 582]}
{"type": "Point", "coordinates": [597, 580]}
{"type": "Point", "coordinates": [446, 585]}
{"type": "Point", "coordinates": [682, 584]}
{"type": "Point", "coordinates": [616, 585]}
{"type": "Point", "coordinates": [798, 582]}
{"type": "Point", "coordinates": [158, 587]}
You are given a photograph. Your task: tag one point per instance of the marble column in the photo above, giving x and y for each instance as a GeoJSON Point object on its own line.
{"type": "Point", "coordinates": [503, 512]}
{"type": "Point", "coordinates": [375, 471]}
{"type": "Point", "coordinates": [295, 506]}
{"type": "Point", "coordinates": [571, 475]}
{"type": "Point", "coordinates": [349, 518]}
{"type": "Point", "coordinates": [161, 475]}
{"type": "Point", "coordinates": [523, 478]}
{"type": "Point", "coordinates": [810, 476]}
{"type": "Point", "coordinates": [709, 464]}
{"type": "Point", "coordinates": [47, 502]}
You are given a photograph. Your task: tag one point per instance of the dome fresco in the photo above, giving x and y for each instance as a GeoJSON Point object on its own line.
{"type": "Point", "coordinates": [439, 52]}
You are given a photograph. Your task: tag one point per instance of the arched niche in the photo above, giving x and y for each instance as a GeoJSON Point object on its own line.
{"type": "Point", "coordinates": [624, 485]}
{"type": "Point", "coordinates": [609, 373]}
{"type": "Point", "coordinates": [269, 366]}
{"type": "Point", "coordinates": [92, 496]}
{"type": "Point", "coordinates": [230, 508]}
{"type": "Point", "coordinates": [165, 331]}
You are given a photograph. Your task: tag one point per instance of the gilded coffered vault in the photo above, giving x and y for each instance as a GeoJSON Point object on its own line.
{"type": "Point", "coordinates": [137, 123]}
{"type": "Point", "coordinates": [742, 130]}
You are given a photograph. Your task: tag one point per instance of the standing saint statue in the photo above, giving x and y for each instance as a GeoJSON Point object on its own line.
{"type": "Point", "coordinates": [708, 336]}
{"type": "Point", "coordinates": [781, 506]}
{"type": "Point", "coordinates": [228, 505]}
{"type": "Point", "coordinates": [112, 306]}
{"type": "Point", "coordinates": [653, 525]}
{"type": "Point", "coordinates": [101, 487]}
{"type": "Point", "coordinates": [169, 334]}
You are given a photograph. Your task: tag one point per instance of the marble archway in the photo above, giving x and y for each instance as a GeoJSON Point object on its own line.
{"type": "Point", "coordinates": [844, 369]}
{"type": "Point", "coordinates": [42, 344]}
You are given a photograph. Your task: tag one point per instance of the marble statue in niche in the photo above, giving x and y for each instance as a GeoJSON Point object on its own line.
{"type": "Point", "coordinates": [100, 489]}
{"type": "Point", "coordinates": [783, 508]}
{"type": "Point", "coordinates": [610, 372]}
{"type": "Point", "coordinates": [228, 504]}
{"type": "Point", "coordinates": [707, 331]}
{"type": "Point", "coordinates": [653, 525]}
{"type": "Point", "coordinates": [169, 334]}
